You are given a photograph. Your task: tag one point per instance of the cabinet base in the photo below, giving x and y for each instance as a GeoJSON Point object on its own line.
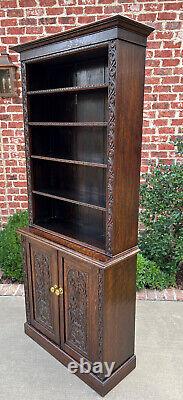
{"type": "Point", "coordinates": [102, 388]}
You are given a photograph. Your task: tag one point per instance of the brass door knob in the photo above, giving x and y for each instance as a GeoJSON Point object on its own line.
{"type": "Point", "coordinates": [59, 291]}
{"type": "Point", "coordinates": [56, 290]}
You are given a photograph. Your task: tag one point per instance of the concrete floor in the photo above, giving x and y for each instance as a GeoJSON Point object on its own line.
{"type": "Point", "coordinates": [27, 372]}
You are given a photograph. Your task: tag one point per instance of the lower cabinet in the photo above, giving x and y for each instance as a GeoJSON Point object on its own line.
{"type": "Point", "coordinates": [79, 308]}
{"type": "Point", "coordinates": [63, 299]}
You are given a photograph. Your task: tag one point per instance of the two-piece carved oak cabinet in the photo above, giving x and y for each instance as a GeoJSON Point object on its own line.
{"type": "Point", "coordinates": [83, 104]}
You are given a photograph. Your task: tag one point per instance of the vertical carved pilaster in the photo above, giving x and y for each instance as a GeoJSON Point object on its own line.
{"type": "Point", "coordinates": [100, 312]}
{"type": "Point", "coordinates": [27, 140]}
{"type": "Point", "coordinates": [111, 139]}
{"type": "Point", "coordinates": [77, 286]}
{"type": "Point", "coordinates": [100, 318]}
{"type": "Point", "coordinates": [26, 285]}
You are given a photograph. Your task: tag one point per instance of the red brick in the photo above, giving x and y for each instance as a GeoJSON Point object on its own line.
{"type": "Point", "coordinates": [9, 22]}
{"type": "Point", "coordinates": [179, 294]}
{"type": "Point", "coordinates": [162, 71]}
{"type": "Point", "coordinates": [15, 13]}
{"type": "Point", "coordinates": [164, 35]}
{"type": "Point", "coordinates": [16, 31]}
{"type": "Point", "coordinates": [173, 25]}
{"type": "Point", "coordinates": [151, 294]}
{"type": "Point", "coordinates": [171, 62]}
{"type": "Point", "coordinates": [147, 17]}
{"type": "Point", "coordinates": [28, 21]}
{"type": "Point", "coordinates": [74, 10]}
{"type": "Point", "coordinates": [86, 19]}
{"type": "Point", "coordinates": [47, 21]}
{"type": "Point", "coordinates": [25, 39]}
{"type": "Point", "coordinates": [55, 10]}
{"type": "Point", "coordinates": [167, 97]}
{"type": "Point", "coordinates": [53, 29]}
{"type": "Point", "coordinates": [93, 10]}
{"type": "Point", "coordinates": [27, 3]}
{"type": "Point", "coordinates": [9, 3]}
{"type": "Point", "coordinates": [168, 114]}
{"type": "Point", "coordinates": [162, 88]}
{"type": "Point", "coordinates": [10, 40]}
{"type": "Point", "coordinates": [32, 12]}
{"type": "Point", "coordinates": [142, 295]}
{"type": "Point", "coordinates": [161, 122]}
{"type": "Point", "coordinates": [163, 53]}
{"type": "Point", "coordinates": [167, 16]}
{"type": "Point", "coordinates": [153, 7]}
{"type": "Point", "coordinates": [166, 146]}
{"type": "Point", "coordinates": [34, 30]}
{"type": "Point", "coordinates": [89, 2]}
{"type": "Point", "coordinates": [66, 20]}
{"type": "Point", "coordinates": [170, 79]}
{"type": "Point", "coordinates": [173, 6]}
{"type": "Point", "coordinates": [49, 3]}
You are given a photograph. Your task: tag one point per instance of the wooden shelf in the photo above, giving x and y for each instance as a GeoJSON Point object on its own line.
{"type": "Point", "coordinates": [68, 89]}
{"type": "Point", "coordinates": [62, 160]}
{"type": "Point", "coordinates": [67, 199]}
{"type": "Point", "coordinates": [73, 231]}
{"type": "Point", "coordinates": [89, 124]}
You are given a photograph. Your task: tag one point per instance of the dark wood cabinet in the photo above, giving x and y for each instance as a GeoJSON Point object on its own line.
{"type": "Point", "coordinates": [83, 103]}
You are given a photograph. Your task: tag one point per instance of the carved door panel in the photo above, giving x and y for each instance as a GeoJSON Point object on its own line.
{"type": "Point", "coordinates": [44, 275]}
{"type": "Point", "coordinates": [80, 308]}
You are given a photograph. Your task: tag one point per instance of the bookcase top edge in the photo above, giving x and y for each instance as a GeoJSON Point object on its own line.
{"type": "Point", "coordinates": [116, 21]}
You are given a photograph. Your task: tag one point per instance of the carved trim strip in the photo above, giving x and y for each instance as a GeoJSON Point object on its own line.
{"type": "Point", "coordinates": [26, 285]}
{"type": "Point", "coordinates": [111, 139]}
{"type": "Point", "coordinates": [27, 140]}
{"type": "Point", "coordinates": [67, 52]}
{"type": "Point", "coordinates": [100, 313]}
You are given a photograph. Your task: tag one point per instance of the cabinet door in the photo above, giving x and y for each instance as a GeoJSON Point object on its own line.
{"type": "Point", "coordinates": [44, 275]}
{"type": "Point", "coordinates": [80, 308]}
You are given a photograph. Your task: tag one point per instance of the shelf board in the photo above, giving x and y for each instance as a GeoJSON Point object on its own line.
{"type": "Point", "coordinates": [69, 200]}
{"type": "Point", "coordinates": [68, 89]}
{"type": "Point", "coordinates": [63, 160]}
{"type": "Point", "coordinates": [89, 124]}
{"type": "Point", "coordinates": [73, 231]}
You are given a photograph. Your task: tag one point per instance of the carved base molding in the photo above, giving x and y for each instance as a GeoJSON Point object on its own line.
{"type": "Point", "coordinates": [102, 388]}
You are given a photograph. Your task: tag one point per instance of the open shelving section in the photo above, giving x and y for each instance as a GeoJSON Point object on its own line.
{"type": "Point", "coordinates": [67, 120]}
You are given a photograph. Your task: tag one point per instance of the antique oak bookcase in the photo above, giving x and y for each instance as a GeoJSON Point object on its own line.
{"type": "Point", "coordinates": [83, 104]}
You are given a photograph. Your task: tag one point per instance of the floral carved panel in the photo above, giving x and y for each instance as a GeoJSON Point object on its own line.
{"type": "Point", "coordinates": [42, 282]}
{"type": "Point", "coordinates": [77, 310]}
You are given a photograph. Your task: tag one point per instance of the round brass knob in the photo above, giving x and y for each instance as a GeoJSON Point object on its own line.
{"type": "Point", "coordinates": [52, 289]}
{"type": "Point", "coordinates": [59, 291]}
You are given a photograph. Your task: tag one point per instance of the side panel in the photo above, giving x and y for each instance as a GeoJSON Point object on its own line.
{"type": "Point", "coordinates": [128, 133]}
{"type": "Point", "coordinates": [119, 311]}
{"type": "Point", "coordinates": [43, 273]}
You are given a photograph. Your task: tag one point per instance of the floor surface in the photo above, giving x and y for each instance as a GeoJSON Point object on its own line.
{"type": "Point", "coordinates": [27, 372]}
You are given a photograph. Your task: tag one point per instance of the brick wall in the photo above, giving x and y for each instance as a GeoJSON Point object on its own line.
{"type": "Point", "coordinates": [24, 20]}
